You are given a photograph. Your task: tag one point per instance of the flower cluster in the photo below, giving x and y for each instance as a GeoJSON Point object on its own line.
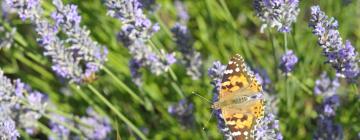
{"type": "Point", "coordinates": [277, 13]}
{"type": "Point", "coordinates": [268, 127]}
{"type": "Point", "coordinates": [288, 61]}
{"type": "Point", "coordinates": [135, 34]}
{"type": "Point", "coordinates": [342, 57]}
{"type": "Point", "coordinates": [99, 125]}
{"type": "Point", "coordinates": [92, 126]}
{"type": "Point", "coordinates": [75, 58]}
{"type": "Point", "coordinates": [191, 58]}
{"type": "Point", "coordinates": [183, 111]}
{"type": "Point", "coordinates": [326, 127]}
{"type": "Point", "coordinates": [20, 107]}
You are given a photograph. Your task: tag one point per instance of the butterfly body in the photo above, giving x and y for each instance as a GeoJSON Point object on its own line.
{"type": "Point", "coordinates": [240, 100]}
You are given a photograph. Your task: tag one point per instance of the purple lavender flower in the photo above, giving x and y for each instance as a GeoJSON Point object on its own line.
{"type": "Point", "coordinates": [268, 127]}
{"type": "Point", "coordinates": [135, 34]}
{"type": "Point", "coordinates": [263, 78]}
{"type": "Point", "coordinates": [181, 11]}
{"type": "Point", "coordinates": [7, 127]}
{"type": "Point", "coordinates": [342, 57]}
{"type": "Point", "coordinates": [61, 131]}
{"type": "Point", "coordinates": [325, 86]}
{"type": "Point", "coordinates": [84, 49]}
{"type": "Point", "coordinates": [135, 72]}
{"type": "Point", "coordinates": [74, 58]}
{"type": "Point", "coordinates": [326, 127]}
{"type": "Point", "coordinates": [191, 58]}
{"type": "Point", "coordinates": [27, 9]}
{"type": "Point", "coordinates": [183, 111]}
{"type": "Point", "coordinates": [215, 73]}
{"type": "Point", "coordinates": [277, 13]}
{"type": "Point", "coordinates": [288, 61]}
{"type": "Point", "coordinates": [18, 109]}
{"type": "Point", "coordinates": [98, 126]}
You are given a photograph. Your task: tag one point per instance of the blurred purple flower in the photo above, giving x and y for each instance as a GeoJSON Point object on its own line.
{"type": "Point", "coordinates": [326, 127]}
{"type": "Point", "coordinates": [27, 9]}
{"type": "Point", "coordinates": [288, 61]}
{"type": "Point", "coordinates": [98, 127]}
{"type": "Point", "coordinates": [183, 111]}
{"type": "Point", "coordinates": [268, 127]}
{"type": "Point", "coordinates": [7, 128]}
{"type": "Point", "coordinates": [342, 57]}
{"type": "Point", "coordinates": [135, 72]}
{"type": "Point", "coordinates": [277, 13]}
{"type": "Point", "coordinates": [191, 58]}
{"type": "Point", "coordinates": [325, 86]}
{"type": "Point", "coordinates": [181, 11]}
{"type": "Point", "coordinates": [61, 131]}
{"type": "Point", "coordinates": [18, 109]}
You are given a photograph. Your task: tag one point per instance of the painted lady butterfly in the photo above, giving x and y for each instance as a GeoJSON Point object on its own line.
{"type": "Point", "coordinates": [240, 100]}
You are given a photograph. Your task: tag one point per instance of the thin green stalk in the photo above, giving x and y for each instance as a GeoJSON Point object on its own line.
{"type": "Point", "coordinates": [178, 90]}
{"type": "Point", "coordinates": [274, 55]}
{"type": "Point", "coordinates": [286, 42]}
{"type": "Point", "coordinates": [227, 11]}
{"type": "Point", "coordinates": [123, 86]}
{"type": "Point", "coordinates": [163, 26]}
{"type": "Point", "coordinates": [303, 86]}
{"type": "Point", "coordinates": [46, 130]}
{"type": "Point", "coordinates": [87, 99]}
{"type": "Point", "coordinates": [117, 112]}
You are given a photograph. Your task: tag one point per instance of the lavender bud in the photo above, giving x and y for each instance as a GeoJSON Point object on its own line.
{"type": "Point", "coordinates": [277, 13]}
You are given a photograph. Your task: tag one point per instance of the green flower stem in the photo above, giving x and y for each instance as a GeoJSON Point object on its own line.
{"type": "Point", "coordinates": [274, 55]}
{"type": "Point", "coordinates": [123, 86]}
{"type": "Point", "coordinates": [163, 26]}
{"type": "Point", "coordinates": [46, 130]}
{"type": "Point", "coordinates": [229, 16]}
{"type": "Point", "coordinates": [117, 112]}
{"type": "Point", "coordinates": [302, 86]}
{"type": "Point", "coordinates": [23, 134]}
{"type": "Point", "coordinates": [285, 42]}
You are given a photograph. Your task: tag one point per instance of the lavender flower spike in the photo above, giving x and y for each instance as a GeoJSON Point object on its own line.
{"type": "Point", "coordinates": [277, 13]}
{"type": "Point", "coordinates": [17, 110]}
{"type": "Point", "coordinates": [183, 111]}
{"type": "Point", "coordinates": [99, 125]}
{"type": "Point", "coordinates": [288, 61]}
{"type": "Point", "coordinates": [191, 58]}
{"type": "Point", "coordinates": [215, 73]}
{"type": "Point", "coordinates": [77, 57]}
{"type": "Point", "coordinates": [135, 33]}
{"type": "Point", "coordinates": [342, 57]}
{"type": "Point", "coordinates": [326, 126]}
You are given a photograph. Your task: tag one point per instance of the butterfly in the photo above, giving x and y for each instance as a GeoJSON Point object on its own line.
{"type": "Point", "coordinates": [240, 100]}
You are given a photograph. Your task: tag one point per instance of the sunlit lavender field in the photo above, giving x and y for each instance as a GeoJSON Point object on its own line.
{"type": "Point", "coordinates": [152, 69]}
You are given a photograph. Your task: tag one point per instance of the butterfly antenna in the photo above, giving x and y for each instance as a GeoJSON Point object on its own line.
{"type": "Point", "coordinates": [207, 123]}
{"type": "Point", "coordinates": [202, 97]}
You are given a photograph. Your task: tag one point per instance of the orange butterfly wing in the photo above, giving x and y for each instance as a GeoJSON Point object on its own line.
{"type": "Point", "coordinates": [241, 117]}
